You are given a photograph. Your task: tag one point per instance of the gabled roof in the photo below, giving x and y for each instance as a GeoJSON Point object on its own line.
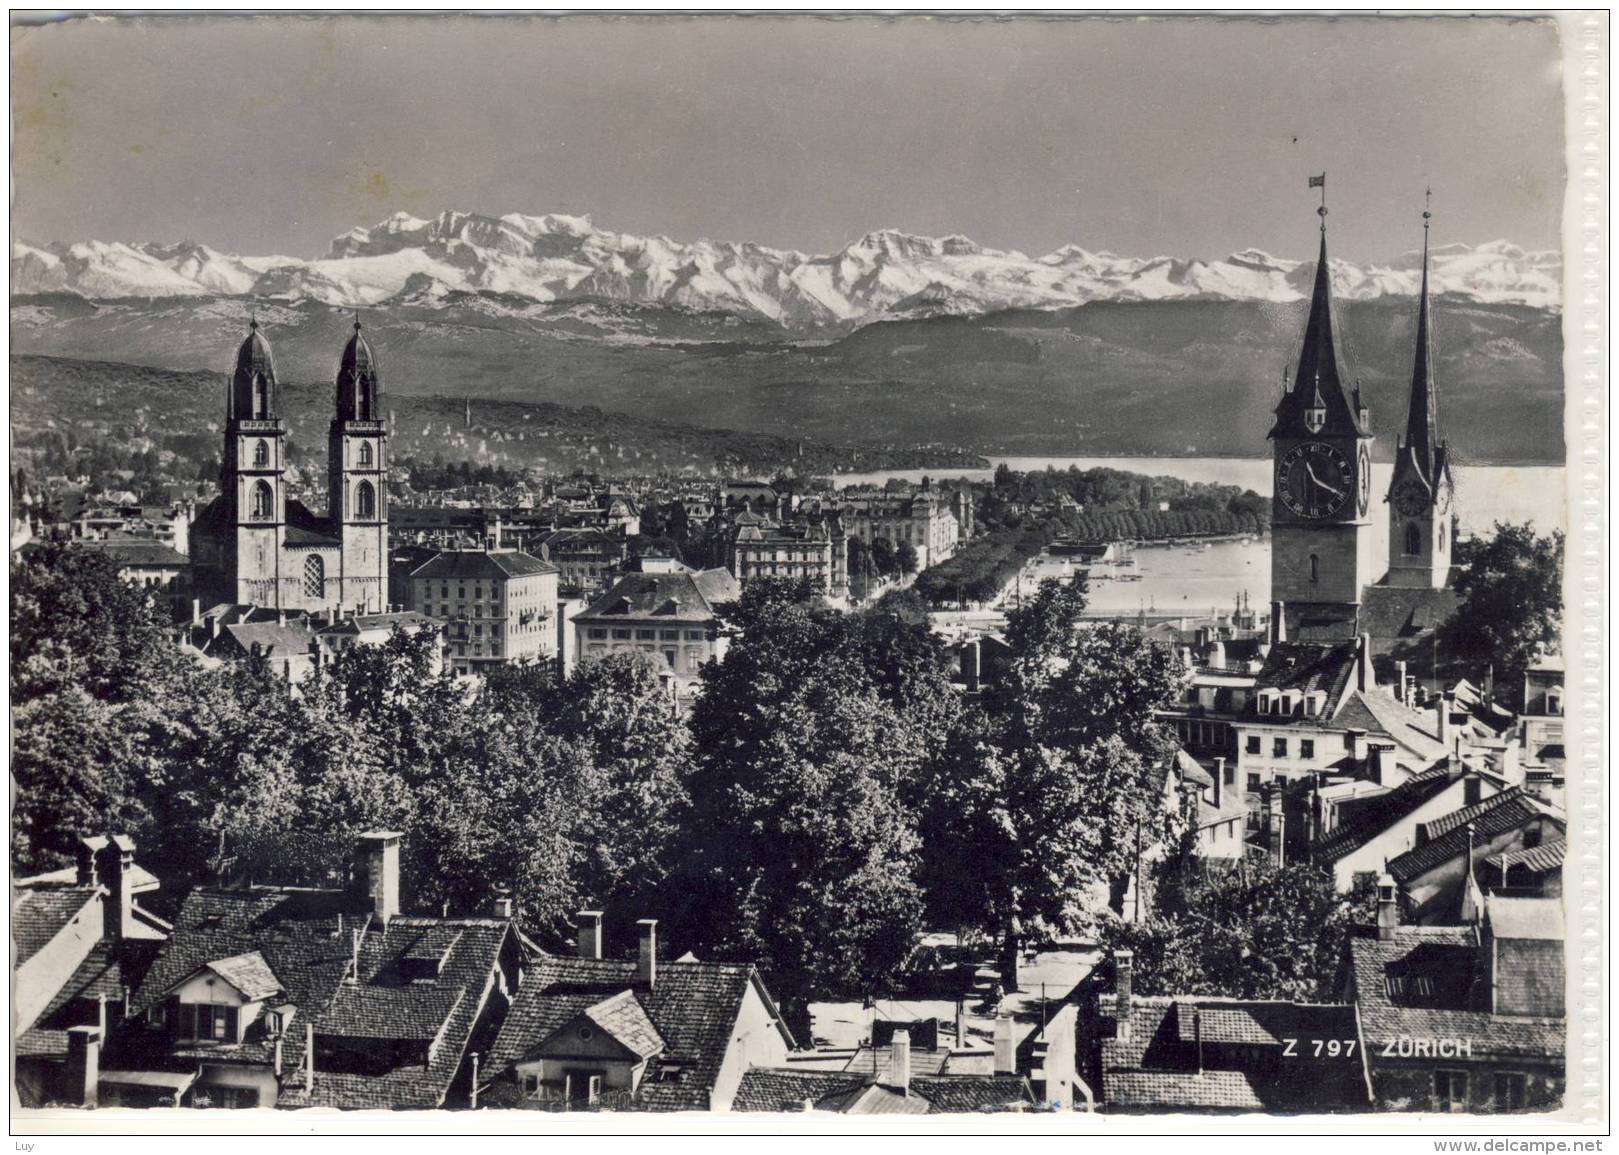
{"type": "Point", "coordinates": [1542, 859]}
{"type": "Point", "coordinates": [248, 973]}
{"type": "Point", "coordinates": [296, 934]}
{"type": "Point", "coordinates": [687, 597]}
{"type": "Point", "coordinates": [1376, 815]}
{"type": "Point", "coordinates": [139, 551]}
{"type": "Point", "coordinates": [38, 914]}
{"type": "Point", "coordinates": [273, 639]}
{"type": "Point", "coordinates": [1427, 1001]}
{"type": "Point", "coordinates": [109, 968]}
{"type": "Point", "coordinates": [1380, 715]}
{"type": "Point", "coordinates": [622, 1018]}
{"type": "Point", "coordinates": [693, 1007]}
{"type": "Point", "coordinates": [1506, 811]}
{"type": "Point", "coordinates": [464, 564]}
{"type": "Point", "coordinates": [1156, 1068]}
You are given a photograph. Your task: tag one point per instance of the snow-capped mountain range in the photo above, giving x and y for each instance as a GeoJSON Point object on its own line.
{"type": "Point", "coordinates": [516, 261]}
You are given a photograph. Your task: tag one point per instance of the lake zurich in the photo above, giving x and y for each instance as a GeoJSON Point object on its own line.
{"type": "Point", "coordinates": [1170, 579]}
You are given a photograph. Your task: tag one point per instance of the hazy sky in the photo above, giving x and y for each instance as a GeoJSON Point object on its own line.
{"type": "Point", "coordinates": [1190, 137]}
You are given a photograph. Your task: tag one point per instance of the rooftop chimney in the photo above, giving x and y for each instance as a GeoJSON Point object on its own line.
{"type": "Point", "coordinates": [646, 962]}
{"type": "Point", "coordinates": [84, 1065]}
{"type": "Point", "coordinates": [1380, 762]}
{"type": "Point", "coordinates": [1278, 622]}
{"type": "Point", "coordinates": [377, 862]}
{"type": "Point", "coordinates": [899, 1061]}
{"type": "Point", "coordinates": [961, 1023]}
{"type": "Point", "coordinates": [1364, 680]}
{"type": "Point", "coordinates": [1219, 781]}
{"type": "Point", "coordinates": [309, 1055]}
{"type": "Point", "coordinates": [1447, 738]}
{"type": "Point", "coordinates": [1401, 690]}
{"type": "Point", "coordinates": [115, 860]}
{"type": "Point", "coordinates": [589, 924]}
{"type": "Point", "coordinates": [502, 906]}
{"type": "Point", "coordinates": [1124, 965]}
{"type": "Point", "coordinates": [1005, 1052]}
{"type": "Point", "coordinates": [86, 855]}
{"type": "Point", "coordinates": [1388, 907]}
{"type": "Point", "coordinates": [1197, 1034]}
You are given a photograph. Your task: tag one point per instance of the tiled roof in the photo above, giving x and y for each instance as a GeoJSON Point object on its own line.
{"type": "Point", "coordinates": [693, 1006]}
{"type": "Point", "coordinates": [1379, 714]}
{"type": "Point", "coordinates": [106, 970]}
{"type": "Point", "coordinates": [1156, 1068]}
{"type": "Point", "coordinates": [1445, 823]}
{"type": "Point", "coordinates": [776, 1089]}
{"type": "Point", "coordinates": [249, 974]}
{"type": "Point", "coordinates": [139, 551]}
{"type": "Point", "coordinates": [1546, 857]}
{"type": "Point", "coordinates": [622, 1017]}
{"type": "Point", "coordinates": [1506, 811]}
{"type": "Point", "coordinates": [360, 623]}
{"type": "Point", "coordinates": [1396, 617]}
{"type": "Point", "coordinates": [296, 932]}
{"type": "Point", "coordinates": [664, 596]}
{"type": "Point", "coordinates": [274, 639]}
{"type": "Point", "coordinates": [1408, 1011]}
{"type": "Point", "coordinates": [38, 914]}
{"type": "Point", "coordinates": [1375, 815]}
{"type": "Point", "coordinates": [480, 564]}
{"type": "Point", "coordinates": [879, 1061]}
{"type": "Point", "coordinates": [1301, 666]}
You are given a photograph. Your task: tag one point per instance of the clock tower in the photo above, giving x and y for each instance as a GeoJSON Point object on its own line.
{"type": "Point", "coordinates": [1321, 526]}
{"type": "Point", "coordinates": [1422, 521]}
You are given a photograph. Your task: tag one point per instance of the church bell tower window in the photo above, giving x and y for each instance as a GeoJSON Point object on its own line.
{"type": "Point", "coordinates": [263, 507]}
{"type": "Point", "coordinates": [1413, 540]}
{"type": "Point", "coordinates": [365, 501]}
{"type": "Point", "coordinates": [1315, 568]}
{"type": "Point", "coordinates": [365, 456]}
{"type": "Point", "coordinates": [261, 454]}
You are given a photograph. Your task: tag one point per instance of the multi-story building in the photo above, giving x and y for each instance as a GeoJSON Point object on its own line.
{"type": "Point", "coordinates": [814, 551]}
{"type": "Point", "coordinates": [927, 521]}
{"type": "Point", "coordinates": [1463, 1019]}
{"type": "Point", "coordinates": [588, 558]}
{"type": "Point", "coordinates": [498, 606]}
{"type": "Point", "coordinates": [670, 616]}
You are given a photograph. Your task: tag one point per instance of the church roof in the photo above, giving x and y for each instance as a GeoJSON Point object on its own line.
{"type": "Point", "coordinates": [1319, 378]}
{"type": "Point", "coordinates": [357, 355]}
{"type": "Point", "coordinates": [1419, 452]}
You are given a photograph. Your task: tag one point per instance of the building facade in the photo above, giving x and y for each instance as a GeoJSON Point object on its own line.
{"type": "Point", "coordinates": [497, 606]}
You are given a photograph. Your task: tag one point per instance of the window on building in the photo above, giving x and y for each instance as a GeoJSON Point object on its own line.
{"type": "Point", "coordinates": [314, 576]}
{"type": "Point", "coordinates": [1253, 782]}
{"type": "Point", "coordinates": [261, 454]}
{"type": "Point", "coordinates": [366, 457]}
{"type": "Point", "coordinates": [1413, 540]}
{"type": "Point", "coordinates": [365, 501]}
{"type": "Point", "coordinates": [646, 635]}
{"type": "Point", "coordinates": [1278, 748]}
{"type": "Point", "coordinates": [207, 1021]}
{"type": "Point", "coordinates": [1253, 744]}
{"type": "Point", "coordinates": [694, 635]}
{"type": "Point", "coordinates": [1450, 1091]}
{"type": "Point", "coordinates": [673, 658]}
{"type": "Point", "coordinates": [595, 632]}
{"type": "Point", "coordinates": [1315, 568]}
{"type": "Point", "coordinates": [1306, 747]}
{"type": "Point", "coordinates": [621, 634]}
{"type": "Point", "coordinates": [1510, 1090]}
{"type": "Point", "coordinates": [263, 504]}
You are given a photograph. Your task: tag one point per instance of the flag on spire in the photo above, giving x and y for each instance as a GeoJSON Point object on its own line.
{"type": "Point", "coordinates": [1319, 181]}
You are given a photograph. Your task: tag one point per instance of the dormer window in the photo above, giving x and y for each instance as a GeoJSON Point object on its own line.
{"type": "Point", "coordinates": [1315, 417]}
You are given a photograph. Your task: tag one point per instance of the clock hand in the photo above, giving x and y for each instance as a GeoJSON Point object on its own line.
{"type": "Point", "coordinates": [1311, 473]}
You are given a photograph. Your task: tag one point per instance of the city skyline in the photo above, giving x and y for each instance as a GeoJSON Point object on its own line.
{"type": "Point", "coordinates": [738, 129]}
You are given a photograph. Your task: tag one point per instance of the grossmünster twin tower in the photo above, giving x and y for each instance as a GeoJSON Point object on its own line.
{"type": "Point", "coordinates": [1329, 571]}
{"type": "Point", "coordinates": [255, 545]}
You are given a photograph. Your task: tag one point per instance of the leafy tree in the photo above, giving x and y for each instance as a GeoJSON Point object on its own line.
{"type": "Point", "coordinates": [800, 854]}
{"type": "Point", "coordinates": [1055, 792]}
{"type": "Point", "coordinates": [1255, 932]}
{"type": "Point", "coordinates": [1511, 589]}
{"type": "Point", "coordinates": [617, 710]}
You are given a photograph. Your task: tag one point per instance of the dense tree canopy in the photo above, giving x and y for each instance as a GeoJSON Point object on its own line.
{"type": "Point", "coordinates": [1511, 586]}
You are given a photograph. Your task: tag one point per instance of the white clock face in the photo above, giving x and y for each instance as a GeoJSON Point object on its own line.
{"type": "Point", "coordinates": [1365, 479]}
{"type": "Point", "coordinates": [1314, 480]}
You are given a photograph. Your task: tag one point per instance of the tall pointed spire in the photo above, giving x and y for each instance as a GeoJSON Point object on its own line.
{"type": "Point", "coordinates": [1316, 400]}
{"type": "Point", "coordinates": [1421, 419]}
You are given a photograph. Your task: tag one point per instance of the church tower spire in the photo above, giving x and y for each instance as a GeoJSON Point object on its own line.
{"type": "Point", "coordinates": [357, 472]}
{"type": "Point", "coordinates": [1422, 526]}
{"type": "Point", "coordinates": [1321, 553]}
